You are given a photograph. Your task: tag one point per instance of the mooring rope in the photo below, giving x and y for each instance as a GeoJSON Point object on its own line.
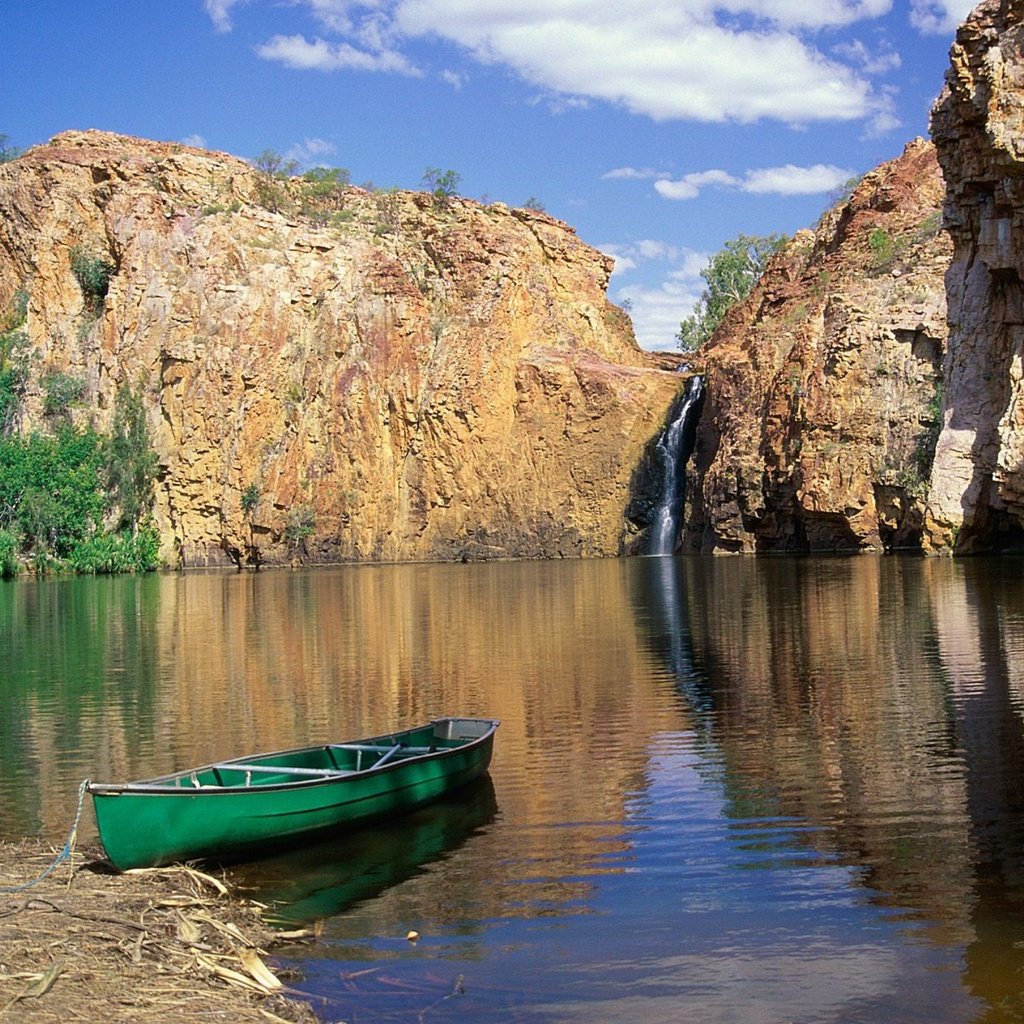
{"type": "Point", "coordinates": [64, 854]}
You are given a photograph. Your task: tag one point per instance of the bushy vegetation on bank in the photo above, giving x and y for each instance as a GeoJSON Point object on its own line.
{"type": "Point", "coordinates": [77, 500]}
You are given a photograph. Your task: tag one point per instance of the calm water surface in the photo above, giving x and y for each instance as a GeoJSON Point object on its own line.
{"type": "Point", "coordinates": [723, 790]}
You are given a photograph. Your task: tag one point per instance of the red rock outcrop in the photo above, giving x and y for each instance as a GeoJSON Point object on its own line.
{"type": "Point", "coordinates": [823, 386]}
{"type": "Point", "coordinates": [388, 378]}
{"type": "Point", "coordinates": [977, 485]}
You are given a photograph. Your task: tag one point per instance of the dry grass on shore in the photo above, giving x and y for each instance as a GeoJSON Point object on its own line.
{"type": "Point", "coordinates": [167, 944]}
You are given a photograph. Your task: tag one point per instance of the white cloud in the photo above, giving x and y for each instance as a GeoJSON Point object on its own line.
{"type": "Point", "coordinates": [453, 78]}
{"type": "Point", "coordinates": [657, 310]}
{"type": "Point", "coordinates": [632, 174]}
{"type": "Point", "coordinates": [939, 17]}
{"type": "Point", "coordinates": [817, 15]}
{"type": "Point", "coordinates": [872, 62]}
{"type": "Point", "coordinates": [689, 186]}
{"type": "Point", "coordinates": [220, 12]}
{"type": "Point", "coordinates": [704, 60]}
{"type": "Point", "coordinates": [332, 14]}
{"type": "Point", "coordinates": [788, 180]}
{"type": "Point", "coordinates": [791, 180]}
{"type": "Point", "coordinates": [310, 152]}
{"type": "Point", "coordinates": [670, 287]}
{"type": "Point", "coordinates": [299, 53]}
{"type": "Point", "coordinates": [661, 58]}
{"type": "Point", "coordinates": [194, 140]}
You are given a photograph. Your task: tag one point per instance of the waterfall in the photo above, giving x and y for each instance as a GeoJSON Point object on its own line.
{"type": "Point", "coordinates": [673, 450]}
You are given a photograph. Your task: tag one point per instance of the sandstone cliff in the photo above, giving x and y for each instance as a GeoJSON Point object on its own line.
{"type": "Point", "coordinates": [977, 499]}
{"type": "Point", "coordinates": [382, 377]}
{"type": "Point", "coordinates": [823, 387]}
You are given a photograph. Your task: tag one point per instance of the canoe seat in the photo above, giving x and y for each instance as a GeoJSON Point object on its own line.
{"type": "Point", "coordinates": [385, 752]}
{"type": "Point", "coordinates": [381, 748]}
{"type": "Point", "coordinates": [269, 769]}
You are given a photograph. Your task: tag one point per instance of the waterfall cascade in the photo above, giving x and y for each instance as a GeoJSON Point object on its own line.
{"type": "Point", "coordinates": [673, 450]}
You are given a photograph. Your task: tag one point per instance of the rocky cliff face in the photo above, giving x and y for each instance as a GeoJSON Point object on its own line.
{"type": "Point", "coordinates": [977, 498]}
{"type": "Point", "coordinates": [380, 377]}
{"type": "Point", "coordinates": [823, 387]}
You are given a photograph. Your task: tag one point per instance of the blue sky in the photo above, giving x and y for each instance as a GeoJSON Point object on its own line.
{"type": "Point", "coordinates": [659, 129]}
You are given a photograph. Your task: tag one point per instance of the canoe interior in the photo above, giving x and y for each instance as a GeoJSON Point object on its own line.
{"type": "Point", "coordinates": [319, 763]}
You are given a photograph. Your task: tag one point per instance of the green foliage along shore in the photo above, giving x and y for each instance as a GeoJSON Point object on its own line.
{"type": "Point", "coordinates": [79, 501]}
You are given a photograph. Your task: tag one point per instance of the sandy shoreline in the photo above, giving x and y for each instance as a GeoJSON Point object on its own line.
{"type": "Point", "coordinates": [162, 944]}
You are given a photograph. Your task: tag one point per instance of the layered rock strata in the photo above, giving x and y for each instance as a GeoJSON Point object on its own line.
{"type": "Point", "coordinates": [366, 376]}
{"type": "Point", "coordinates": [823, 387]}
{"type": "Point", "coordinates": [977, 485]}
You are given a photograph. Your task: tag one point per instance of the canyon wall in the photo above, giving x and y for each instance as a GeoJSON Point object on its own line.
{"type": "Point", "coordinates": [824, 386]}
{"type": "Point", "coordinates": [366, 376]}
{"type": "Point", "coordinates": [977, 485]}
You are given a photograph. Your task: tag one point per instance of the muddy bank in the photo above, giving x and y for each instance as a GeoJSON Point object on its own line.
{"type": "Point", "coordinates": [164, 944]}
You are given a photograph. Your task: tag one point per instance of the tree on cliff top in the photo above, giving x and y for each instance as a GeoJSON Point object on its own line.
{"type": "Point", "coordinates": [443, 185]}
{"type": "Point", "coordinates": [730, 277]}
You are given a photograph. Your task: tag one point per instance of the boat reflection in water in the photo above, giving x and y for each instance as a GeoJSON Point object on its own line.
{"type": "Point", "coordinates": [323, 879]}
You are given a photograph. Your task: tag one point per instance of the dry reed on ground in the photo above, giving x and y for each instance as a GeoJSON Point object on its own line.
{"type": "Point", "coordinates": [166, 944]}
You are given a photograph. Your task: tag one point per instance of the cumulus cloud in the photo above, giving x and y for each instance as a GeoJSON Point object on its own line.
{"type": "Point", "coordinates": [939, 17]}
{"type": "Point", "coordinates": [704, 60]}
{"type": "Point", "coordinates": [310, 152]}
{"type": "Point", "coordinates": [299, 53]}
{"type": "Point", "coordinates": [801, 14]}
{"type": "Point", "coordinates": [796, 181]}
{"type": "Point", "coordinates": [690, 185]}
{"type": "Point", "coordinates": [661, 58]}
{"type": "Point", "coordinates": [879, 61]}
{"type": "Point", "coordinates": [670, 287]}
{"type": "Point", "coordinates": [194, 140]}
{"type": "Point", "coordinates": [788, 180]}
{"type": "Point", "coordinates": [632, 174]}
{"type": "Point", "coordinates": [220, 13]}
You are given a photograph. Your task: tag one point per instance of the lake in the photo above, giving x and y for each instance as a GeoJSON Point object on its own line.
{"type": "Point", "coordinates": [723, 790]}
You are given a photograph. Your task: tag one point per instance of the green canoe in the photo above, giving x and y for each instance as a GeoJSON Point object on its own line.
{"type": "Point", "coordinates": [238, 808]}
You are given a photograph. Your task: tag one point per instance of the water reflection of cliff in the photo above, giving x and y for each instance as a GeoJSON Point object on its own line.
{"type": "Point", "coordinates": [877, 699]}
{"type": "Point", "coordinates": [237, 663]}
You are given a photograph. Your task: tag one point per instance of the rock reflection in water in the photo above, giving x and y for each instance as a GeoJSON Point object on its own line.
{"type": "Point", "coordinates": [738, 789]}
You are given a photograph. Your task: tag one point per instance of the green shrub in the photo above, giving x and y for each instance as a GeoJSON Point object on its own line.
{"type": "Point", "coordinates": [442, 185]}
{"type": "Point", "coordinates": [301, 523]}
{"type": "Point", "coordinates": [272, 174]}
{"type": "Point", "coordinates": [61, 391]}
{"type": "Point", "coordinates": [129, 464]}
{"type": "Point", "coordinates": [389, 218]}
{"type": "Point", "coordinates": [8, 555]}
{"type": "Point", "coordinates": [13, 381]}
{"type": "Point", "coordinates": [55, 491]}
{"type": "Point", "coordinates": [50, 491]}
{"type": "Point", "coordinates": [250, 500]}
{"type": "Point", "coordinates": [16, 313]}
{"type": "Point", "coordinates": [93, 274]}
{"type": "Point", "coordinates": [120, 552]}
{"type": "Point", "coordinates": [883, 247]}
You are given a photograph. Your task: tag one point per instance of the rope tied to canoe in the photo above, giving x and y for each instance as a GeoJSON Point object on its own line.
{"type": "Point", "coordinates": [65, 854]}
